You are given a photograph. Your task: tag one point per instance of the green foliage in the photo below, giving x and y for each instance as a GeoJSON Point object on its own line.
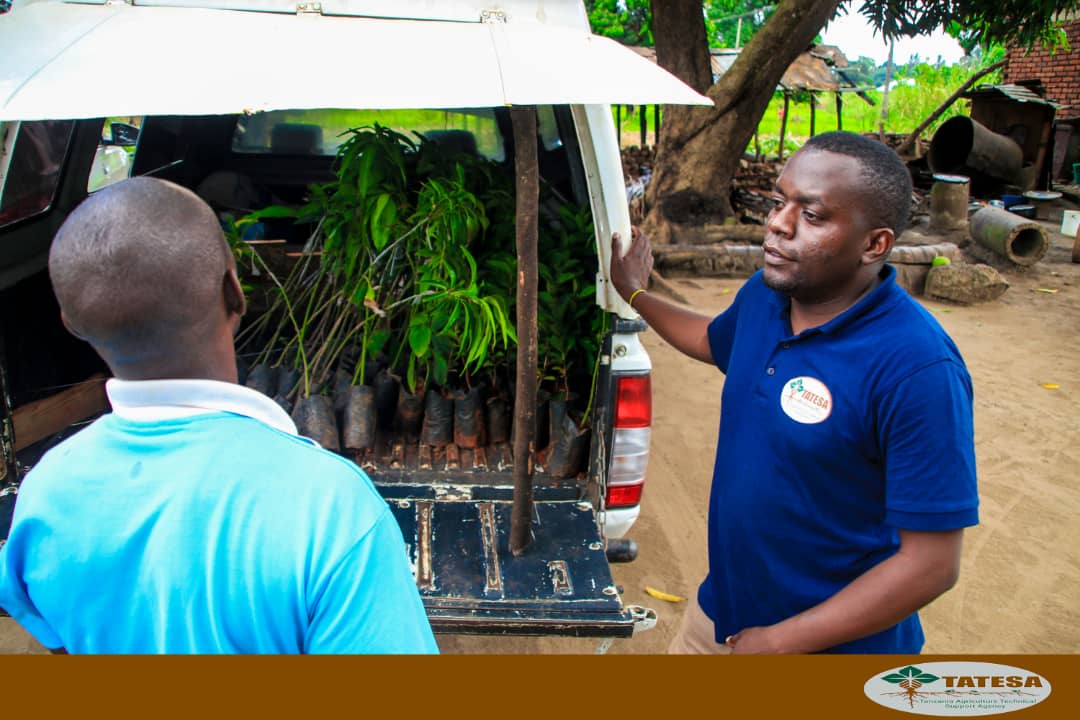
{"type": "Point", "coordinates": [416, 263]}
{"type": "Point", "coordinates": [982, 22]}
{"type": "Point", "coordinates": [722, 21]}
{"type": "Point", "coordinates": [570, 328]}
{"type": "Point", "coordinates": [909, 105]}
{"type": "Point", "coordinates": [628, 21]}
{"type": "Point", "coordinates": [864, 72]}
{"type": "Point", "coordinates": [769, 145]}
{"type": "Point", "coordinates": [451, 322]}
{"type": "Point", "coordinates": [974, 23]}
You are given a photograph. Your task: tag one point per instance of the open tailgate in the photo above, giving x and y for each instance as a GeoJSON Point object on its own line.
{"type": "Point", "coordinates": [472, 584]}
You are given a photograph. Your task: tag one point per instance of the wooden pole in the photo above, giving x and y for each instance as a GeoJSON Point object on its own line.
{"type": "Point", "coordinates": [783, 126]}
{"type": "Point", "coordinates": [839, 111]}
{"type": "Point", "coordinates": [813, 104]}
{"type": "Point", "coordinates": [885, 95]}
{"type": "Point", "coordinates": [644, 125]}
{"type": "Point", "coordinates": [526, 168]}
{"type": "Point", "coordinates": [656, 124]}
{"type": "Point", "coordinates": [909, 141]}
{"type": "Point", "coordinates": [618, 123]}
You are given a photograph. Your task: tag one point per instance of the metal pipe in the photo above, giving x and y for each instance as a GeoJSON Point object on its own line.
{"type": "Point", "coordinates": [962, 143]}
{"type": "Point", "coordinates": [1009, 235]}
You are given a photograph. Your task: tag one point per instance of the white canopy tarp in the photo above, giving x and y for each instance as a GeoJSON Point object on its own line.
{"type": "Point", "coordinates": [63, 60]}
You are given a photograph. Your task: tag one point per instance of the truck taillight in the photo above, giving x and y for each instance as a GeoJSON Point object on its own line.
{"type": "Point", "coordinates": [630, 441]}
{"type": "Point", "coordinates": [633, 401]}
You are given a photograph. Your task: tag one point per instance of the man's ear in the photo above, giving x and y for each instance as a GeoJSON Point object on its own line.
{"type": "Point", "coordinates": [879, 243]}
{"type": "Point", "coordinates": [233, 294]}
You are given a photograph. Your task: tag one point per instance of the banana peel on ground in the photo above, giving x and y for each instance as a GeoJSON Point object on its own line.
{"type": "Point", "coordinates": [661, 595]}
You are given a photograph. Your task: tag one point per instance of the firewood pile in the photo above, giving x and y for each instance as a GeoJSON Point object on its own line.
{"type": "Point", "coordinates": [751, 189]}
{"type": "Point", "coordinates": [636, 162]}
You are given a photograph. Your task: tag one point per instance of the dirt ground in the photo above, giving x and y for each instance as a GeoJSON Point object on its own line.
{"type": "Point", "coordinates": [1019, 589]}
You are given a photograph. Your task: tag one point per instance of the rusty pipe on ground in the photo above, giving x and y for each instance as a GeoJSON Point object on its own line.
{"type": "Point", "coordinates": [1009, 235]}
{"type": "Point", "coordinates": [962, 143]}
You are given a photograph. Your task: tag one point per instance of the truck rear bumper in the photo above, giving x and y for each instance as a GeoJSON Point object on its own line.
{"type": "Point", "coordinates": [617, 522]}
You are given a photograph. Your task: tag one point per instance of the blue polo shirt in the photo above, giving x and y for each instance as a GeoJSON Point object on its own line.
{"type": "Point", "coordinates": [830, 441]}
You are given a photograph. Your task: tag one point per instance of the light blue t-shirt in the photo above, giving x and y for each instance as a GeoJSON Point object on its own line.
{"type": "Point", "coordinates": [213, 533]}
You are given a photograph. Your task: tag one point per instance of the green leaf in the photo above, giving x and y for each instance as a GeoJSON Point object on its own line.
{"type": "Point", "coordinates": [274, 211]}
{"type": "Point", "coordinates": [419, 337]}
{"type": "Point", "coordinates": [410, 376]}
{"type": "Point", "coordinates": [365, 173]}
{"type": "Point", "coordinates": [894, 678]}
{"type": "Point", "coordinates": [439, 369]}
{"type": "Point", "coordinates": [377, 341]}
{"type": "Point", "coordinates": [926, 677]}
{"type": "Point", "coordinates": [380, 230]}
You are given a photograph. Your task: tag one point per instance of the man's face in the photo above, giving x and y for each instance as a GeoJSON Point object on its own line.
{"type": "Point", "coordinates": [816, 233]}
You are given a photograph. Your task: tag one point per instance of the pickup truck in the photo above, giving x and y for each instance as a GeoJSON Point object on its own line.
{"type": "Point", "coordinates": [248, 103]}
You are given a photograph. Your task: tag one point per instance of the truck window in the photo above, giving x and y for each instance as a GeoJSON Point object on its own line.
{"type": "Point", "coordinates": [320, 132]}
{"type": "Point", "coordinates": [114, 154]}
{"type": "Point", "coordinates": [548, 127]}
{"type": "Point", "coordinates": [34, 172]}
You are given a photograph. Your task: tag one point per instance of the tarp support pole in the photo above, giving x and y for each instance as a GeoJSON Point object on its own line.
{"type": "Point", "coordinates": [527, 188]}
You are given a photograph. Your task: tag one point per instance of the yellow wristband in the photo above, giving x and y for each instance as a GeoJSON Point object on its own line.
{"type": "Point", "coordinates": [633, 295]}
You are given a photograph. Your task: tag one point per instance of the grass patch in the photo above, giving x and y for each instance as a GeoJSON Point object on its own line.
{"type": "Point", "coordinates": [922, 87]}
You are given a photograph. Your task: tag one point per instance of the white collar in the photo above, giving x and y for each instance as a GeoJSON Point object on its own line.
{"type": "Point", "coordinates": [152, 400]}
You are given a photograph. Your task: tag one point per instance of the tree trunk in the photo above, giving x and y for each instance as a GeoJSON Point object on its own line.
{"type": "Point", "coordinates": [699, 148]}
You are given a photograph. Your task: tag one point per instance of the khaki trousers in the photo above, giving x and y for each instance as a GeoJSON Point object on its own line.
{"type": "Point", "coordinates": [696, 636]}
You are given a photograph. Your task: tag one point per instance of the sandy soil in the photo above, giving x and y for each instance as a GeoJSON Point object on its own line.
{"type": "Point", "coordinates": [1019, 590]}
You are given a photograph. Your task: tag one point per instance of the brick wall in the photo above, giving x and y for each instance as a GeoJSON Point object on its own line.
{"type": "Point", "coordinates": [1059, 72]}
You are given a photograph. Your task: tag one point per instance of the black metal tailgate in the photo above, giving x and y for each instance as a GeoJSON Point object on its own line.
{"type": "Point", "coordinates": [471, 583]}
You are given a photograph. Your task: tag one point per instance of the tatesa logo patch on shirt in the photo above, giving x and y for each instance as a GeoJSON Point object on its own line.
{"type": "Point", "coordinates": [806, 400]}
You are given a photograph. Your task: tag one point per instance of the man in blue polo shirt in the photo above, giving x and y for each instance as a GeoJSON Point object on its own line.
{"type": "Point", "coordinates": [845, 468]}
{"type": "Point", "coordinates": [191, 519]}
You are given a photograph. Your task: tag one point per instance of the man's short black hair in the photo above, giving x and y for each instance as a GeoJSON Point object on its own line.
{"type": "Point", "coordinates": [137, 265]}
{"type": "Point", "coordinates": [888, 184]}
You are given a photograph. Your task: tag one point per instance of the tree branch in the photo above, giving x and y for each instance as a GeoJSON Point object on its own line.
{"type": "Point", "coordinates": [909, 141]}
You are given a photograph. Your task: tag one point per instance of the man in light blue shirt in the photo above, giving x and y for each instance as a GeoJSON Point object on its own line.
{"type": "Point", "coordinates": [192, 519]}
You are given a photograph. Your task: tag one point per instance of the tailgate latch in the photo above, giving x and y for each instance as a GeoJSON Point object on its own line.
{"type": "Point", "coordinates": [644, 619]}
